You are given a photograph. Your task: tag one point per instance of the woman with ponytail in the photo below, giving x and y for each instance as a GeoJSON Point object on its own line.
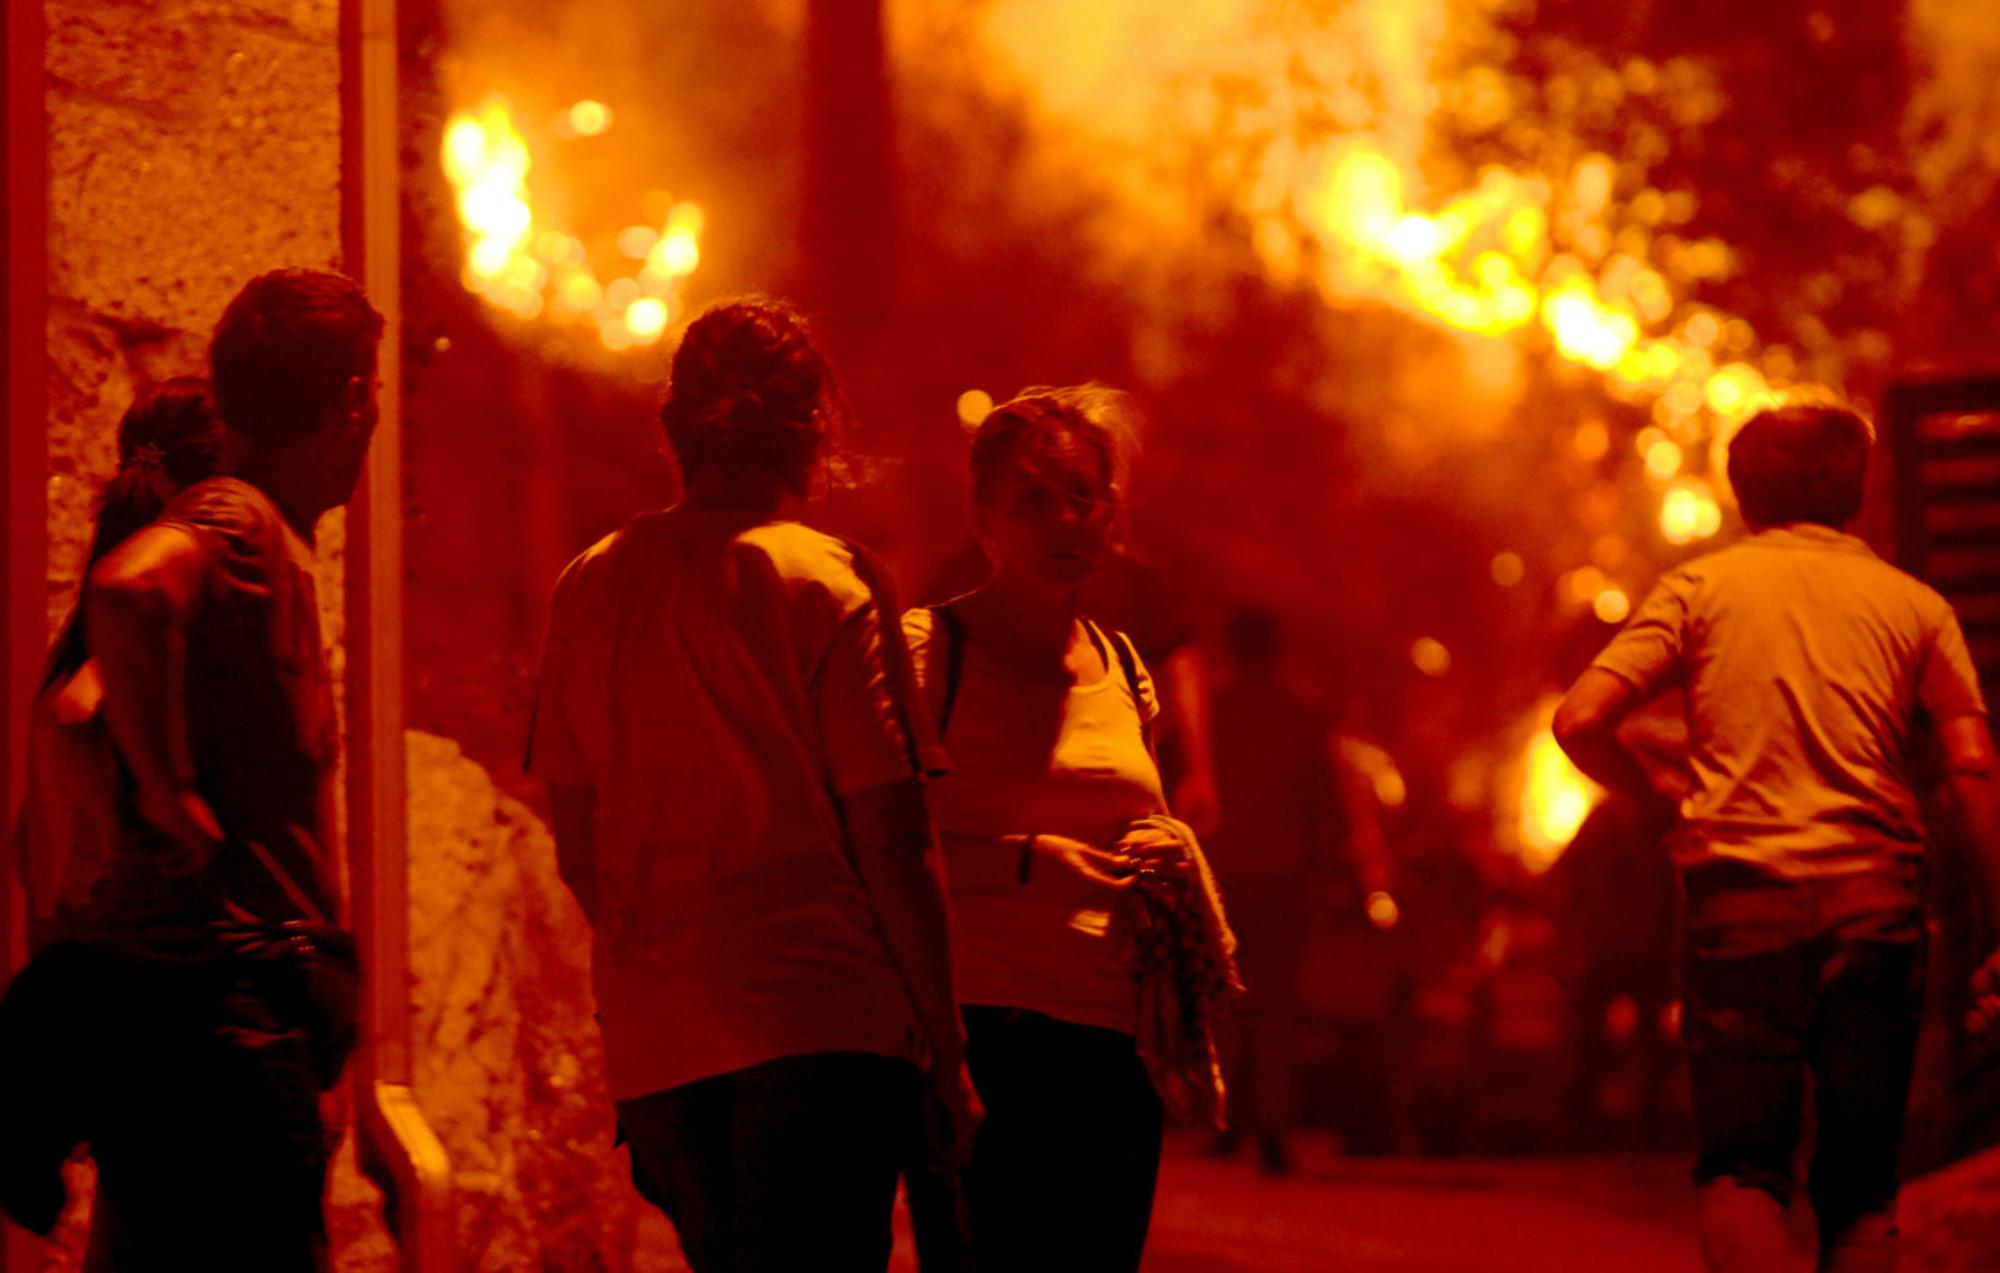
{"type": "Point", "coordinates": [732, 744]}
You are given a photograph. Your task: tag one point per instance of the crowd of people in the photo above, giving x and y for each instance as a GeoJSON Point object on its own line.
{"type": "Point", "coordinates": [882, 896]}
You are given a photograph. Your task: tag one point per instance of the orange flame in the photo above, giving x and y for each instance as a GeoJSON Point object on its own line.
{"type": "Point", "coordinates": [1321, 159]}
{"type": "Point", "coordinates": [1555, 799]}
{"type": "Point", "coordinates": [531, 273]}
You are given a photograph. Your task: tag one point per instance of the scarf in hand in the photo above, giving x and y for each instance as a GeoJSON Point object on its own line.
{"type": "Point", "coordinates": [1177, 940]}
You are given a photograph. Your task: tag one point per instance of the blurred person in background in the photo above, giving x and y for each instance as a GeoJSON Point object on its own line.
{"type": "Point", "coordinates": [1805, 664]}
{"type": "Point", "coordinates": [1280, 850]}
{"type": "Point", "coordinates": [1053, 823]}
{"type": "Point", "coordinates": [733, 750]}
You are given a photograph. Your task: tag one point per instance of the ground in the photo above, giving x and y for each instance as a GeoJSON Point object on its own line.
{"type": "Point", "coordinates": [1423, 1216]}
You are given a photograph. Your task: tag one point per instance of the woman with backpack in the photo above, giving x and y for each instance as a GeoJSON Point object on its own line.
{"type": "Point", "coordinates": [1051, 819]}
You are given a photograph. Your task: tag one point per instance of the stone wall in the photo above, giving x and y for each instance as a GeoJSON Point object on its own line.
{"type": "Point", "coordinates": [192, 145]}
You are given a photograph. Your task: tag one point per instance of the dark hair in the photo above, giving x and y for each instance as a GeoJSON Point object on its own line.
{"type": "Point", "coordinates": [169, 439]}
{"type": "Point", "coordinates": [749, 393]}
{"type": "Point", "coordinates": [1093, 415]}
{"type": "Point", "coordinates": [1800, 462]}
{"type": "Point", "coordinates": [287, 348]}
{"type": "Point", "coordinates": [1253, 636]}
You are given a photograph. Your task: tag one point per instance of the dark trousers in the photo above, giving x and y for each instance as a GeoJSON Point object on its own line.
{"type": "Point", "coordinates": [206, 1128]}
{"type": "Point", "coordinates": [1063, 1170]}
{"type": "Point", "coordinates": [1818, 978]}
{"type": "Point", "coordinates": [783, 1166]}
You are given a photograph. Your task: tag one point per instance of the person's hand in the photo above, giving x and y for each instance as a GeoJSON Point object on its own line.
{"type": "Point", "coordinates": [192, 833]}
{"type": "Point", "coordinates": [1155, 849]}
{"type": "Point", "coordinates": [952, 1115]}
{"type": "Point", "coordinates": [1982, 1019]}
{"type": "Point", "coordinates": [1097, 872]}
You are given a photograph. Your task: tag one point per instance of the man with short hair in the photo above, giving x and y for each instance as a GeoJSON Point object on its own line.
{"type": "Point", "coordinates": [1805, 663]}
{"type": "Point", "coordinates": [210, 1148]}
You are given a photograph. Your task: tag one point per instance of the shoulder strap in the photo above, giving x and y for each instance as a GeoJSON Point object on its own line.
{"type": "Point", "coordinates": [950, 629]}
{"type": "Point", "coordinates": [1122, 649]}
{"type": "Point", "coordinates": [896, 662]}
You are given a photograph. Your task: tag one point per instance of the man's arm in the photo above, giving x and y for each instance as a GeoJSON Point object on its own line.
{"type": "Point", "coordinates": [140, 601]}
{"type": "Point", "coordinates": [1586, 728]}
{"type": "Point", "coordinates": [572, 814]}
{"type": "Point", "coordinates": [892, 848]}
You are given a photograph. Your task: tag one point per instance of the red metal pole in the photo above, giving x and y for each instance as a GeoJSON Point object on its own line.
{"type": "Point", "coordinates": [23, 460]}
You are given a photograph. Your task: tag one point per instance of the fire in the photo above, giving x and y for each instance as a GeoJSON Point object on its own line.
{"type": "Point", "coordinates": [1335, 165]}
{"type": "Point", "coordinates": [1555, 799]}
{"type": "Point", "coordinates": [533, 271]}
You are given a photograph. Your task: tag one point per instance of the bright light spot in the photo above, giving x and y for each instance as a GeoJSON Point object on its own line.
{"type": "Point", "coordinates": [1703, 329]}
{"type": "Point", "coordinates": [1735, 388]}
{"type": "Point", "coordinates": [1390, 791]}
{"type": "Point", "coordinates": [1555, 799]}
{"type": "Point", "coordinates": [528, 271]}
{"type": "Point", "coordinates": [1612, 605]}
{"type": "Point", "coordinates": [1663, 459]}
{"type": "Point", "coordinates": [1689, 512]}
{"type": "Point", "coordinates": [647, 318]}
{"type": "Point", "coordinates": [678, 252]}
{"type": "Point", "coordinates": [589, 118]}
{"type": "Point", "coordinates": [1508, 569]}
{"type": "Point", "coordinates": [637, 240]}
{"type": "Point", "coordinates": [1383, 911]}
{"type": "Point", "coordinates": [1585, 582]}
{"type": "Point", "coordinates": [973, 407]}
{"type": "Point", "coordinates": [1415, 238]}
{"type": "Point", "coordinates": [1430, 656]}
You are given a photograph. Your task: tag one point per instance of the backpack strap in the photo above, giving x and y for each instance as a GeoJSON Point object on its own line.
{"type": "Point", "coordinates": [946, 625]}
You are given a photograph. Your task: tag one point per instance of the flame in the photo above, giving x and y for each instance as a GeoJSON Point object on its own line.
{"type": "Point", "coordinates": [1331, 163]}
{"type": "Point", "coordinates": [1555, 799]}
{"type": "Point", "coordinates": [532, 271]}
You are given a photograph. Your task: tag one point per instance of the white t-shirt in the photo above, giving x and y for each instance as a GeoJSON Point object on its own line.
{"type": "Point", "coordinates": [1028, 757]}
{"type": "Point", "coordinates": [716, 679]}
{"type": "Point", "coordinates": [1804, 659]}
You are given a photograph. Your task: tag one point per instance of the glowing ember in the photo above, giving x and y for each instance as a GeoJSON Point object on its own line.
{"type": "Point", "coordinates": [1555, 799]}
{"type": "Point", "coordinates": [530, 272]}
{"type": "Point", "coordinates": [1508, 569]}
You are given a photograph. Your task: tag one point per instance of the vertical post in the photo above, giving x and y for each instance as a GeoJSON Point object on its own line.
{"type": "Point", "coordinates": [23, 462]}
{"type": "Point", "coordinates": [850, 212]}
{"type": "Point", "coordinates": [398, 1148]}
